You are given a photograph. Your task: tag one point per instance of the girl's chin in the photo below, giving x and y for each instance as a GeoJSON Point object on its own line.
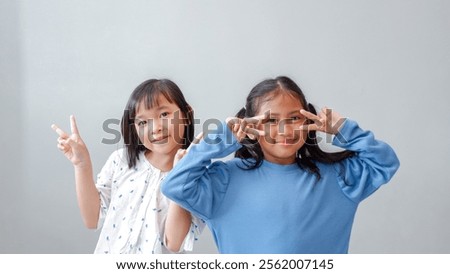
{"type": "Point", "coordinates": [162, 148]}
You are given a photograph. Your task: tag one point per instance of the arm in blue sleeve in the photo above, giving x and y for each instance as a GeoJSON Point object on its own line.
{"type": "Point", "coordinates": [196, 184]}
{"type": "Point", "coordinates": [374, 163]}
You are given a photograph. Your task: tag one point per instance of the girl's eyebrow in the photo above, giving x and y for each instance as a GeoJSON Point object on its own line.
{"type": "Point", "coordinates": [295, 112]}
{"type": "Point", "coordinates": [290, 113]}
{"type": "Point", "coordinates": [159, 108]}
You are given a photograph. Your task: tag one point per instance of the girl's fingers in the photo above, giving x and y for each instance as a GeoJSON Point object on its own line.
{"type": "Point", "coordinates": [310, 115]}
{"type": "Point", "coordinates": [255, 132]}
{"type": "Point", "coordinates": [61, 147]}
{"type": "Point", "coordinates": [69, 142]}
{"type": "Point", "coordinates": [236, 128]}
{"type": "Point", "coordinates": [235, 125]}
{"type": "Point", "coordinates": [317, 119]}
{"type": "Point", "coordinates": [326, 110]}
{"type": "Point", "coordinates": [242, 126]}
{"type": "Point", "coordinates": [310, 127]}
{"type": "Point", "coordinates": [231, 121]}
{"type": "Point", "coordinates": [325, 114]}
{"type": "Point", "coordinates": [241, 135]}
{"type": "Point", "coordinates": [179, 155]}
{"type": "Point", "coordinates": [59, 131]}
{"type": "Point", "coordinates": [73, 125]}
{"type": "Point", "coordinates": [247, 126]}
{"type": "Point", "coordinates": [61, 140]}
{"type": "Point", "coordinates": [197, 138]}
{"type": "Point", "coordinates": [258, 119]}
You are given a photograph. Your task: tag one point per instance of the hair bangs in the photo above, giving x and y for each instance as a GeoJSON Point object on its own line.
{"type": "Point", "coordinates": [279, 91]}
{"type": "Point", "coordinates": [153, 99]}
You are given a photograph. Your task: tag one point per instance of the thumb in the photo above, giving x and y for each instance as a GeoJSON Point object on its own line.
{"type": "Point", "coordinates": [178, 156]}
{"type": "Point", "coordinates": [70, 142]}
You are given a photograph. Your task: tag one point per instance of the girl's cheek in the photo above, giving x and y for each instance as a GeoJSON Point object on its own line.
{"type": "Point", "coordinates": [142, 133]}
{"type": "Point", "coordinates": [272, 131]}
{"type": "Point", "coordinates": [265, 128]}
{"type": "Point", "coordinates": [176, 129]}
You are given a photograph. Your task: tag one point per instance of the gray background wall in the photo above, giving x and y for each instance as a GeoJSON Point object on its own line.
{"type": "Point", "coordinates": [383, 63]}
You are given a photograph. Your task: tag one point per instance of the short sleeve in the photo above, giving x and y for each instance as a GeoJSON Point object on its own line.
{"type": "Point", "coordinates": [197, 226]}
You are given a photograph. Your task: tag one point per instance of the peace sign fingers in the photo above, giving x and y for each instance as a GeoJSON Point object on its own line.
{"type": "Point", "coordinates": [73, 128]}
{"type": "Point", "coordinates": [246, 126]}
{"type": "Point", "coordinates": [327, 121]}
{"type": "Point", "coordinates": [258, 119]}
{"type": "Point", "coordinates": [249, 125]}
{"type": "Point", "coordinates": [59, 131]}
{"type": "Point", "coordinates": [319, 121]}
{"type": "Point", "coordinates": [237, 126]}
{"type": "Point", "coordinates": [72, 146]}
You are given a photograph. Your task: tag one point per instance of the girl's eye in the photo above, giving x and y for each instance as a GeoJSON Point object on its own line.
{"type": "Point", "coordinates": [164, 115]}
{"type": "Point", "coordinates": [296, 118]}
{"type": "Point", "coordinates": [141, 123]}
{"type": "Point", "coordinates": [272, 120]}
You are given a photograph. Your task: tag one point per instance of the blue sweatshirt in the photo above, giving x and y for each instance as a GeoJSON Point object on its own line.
{"type": "Point", "coordinates": [279, 208]}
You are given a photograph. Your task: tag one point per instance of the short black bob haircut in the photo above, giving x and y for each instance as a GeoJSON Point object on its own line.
{"type": "Point", "coordinates": [149, 92]}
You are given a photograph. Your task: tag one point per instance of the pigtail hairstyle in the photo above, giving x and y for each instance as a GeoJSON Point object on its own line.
{"type": "Point", "coordinates": [251, 153]}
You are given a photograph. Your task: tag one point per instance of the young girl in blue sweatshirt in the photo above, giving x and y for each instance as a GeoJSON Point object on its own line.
{"type": "Point", "coordinates": [281, 193]}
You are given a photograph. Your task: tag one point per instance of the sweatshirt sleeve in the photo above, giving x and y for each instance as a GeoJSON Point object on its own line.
{"type": "Point", "coordinates": [196, 183]}
{"type": "Point", "coordinates": [373, 165]}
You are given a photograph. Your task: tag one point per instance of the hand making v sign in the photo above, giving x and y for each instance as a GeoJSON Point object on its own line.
{"type": "Point", "coordinates": [72, 146]}
{"type": "Point", "coordinates": [327, 121]}
{"type": "Point", "coordinates": [247, 126]}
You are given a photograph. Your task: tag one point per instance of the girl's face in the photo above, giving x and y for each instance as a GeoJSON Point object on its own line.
{"type": "Point", "coordinates": [161, 128]}
{"type": "Point", "coordinates": [283, 138]}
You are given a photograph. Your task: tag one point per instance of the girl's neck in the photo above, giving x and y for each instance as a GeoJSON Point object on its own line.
{"type": "Point", "coordinates": [163, 162]}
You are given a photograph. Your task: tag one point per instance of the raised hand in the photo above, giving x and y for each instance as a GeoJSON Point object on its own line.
{"type": "Point", "coordinates": [181, 152]}
{"type": "Point", "coordinates": [327, 121]}
{"type": "Point", "coordinates": [72, 146]}
{"type": "Point", "coordinates": [247, 126]}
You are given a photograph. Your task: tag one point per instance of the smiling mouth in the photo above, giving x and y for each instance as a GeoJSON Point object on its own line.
{"type": "Point", "coordinates": [287, 142]}
{"type": "Point", "coordinates": [160, 140]}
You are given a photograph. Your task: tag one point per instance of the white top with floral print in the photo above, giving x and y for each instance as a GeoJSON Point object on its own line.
{"type": "Point", "coordinates": [133, 210]}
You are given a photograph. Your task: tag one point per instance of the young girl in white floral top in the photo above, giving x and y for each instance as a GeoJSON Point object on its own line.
{"type": "Point", "coordinates": [126, 200]}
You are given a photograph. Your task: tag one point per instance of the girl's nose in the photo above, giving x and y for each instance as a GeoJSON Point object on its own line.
{"type": "Point", "coordinates": [285, 128]}
{"type": "Point", "coordinates": [156, 126]}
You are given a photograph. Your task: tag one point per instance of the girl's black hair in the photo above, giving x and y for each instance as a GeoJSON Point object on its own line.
{"type": "Point", "coordinates": [149, 92]}
{"type": "Point", "coordinates": [251, 153]}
